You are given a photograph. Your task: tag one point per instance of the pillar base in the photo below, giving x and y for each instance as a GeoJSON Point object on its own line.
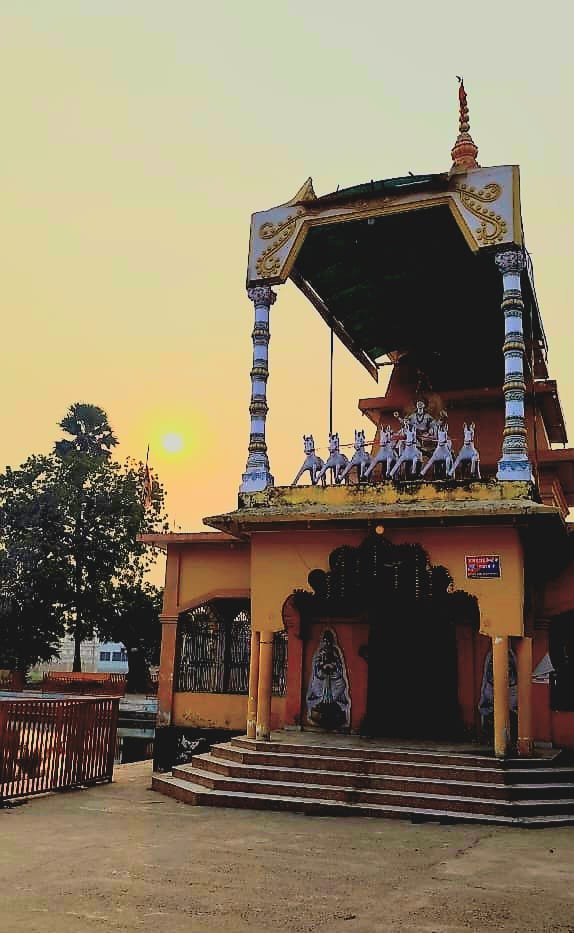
{"type": "Point", "coordinates": [256, 481]}
{"type": "Point", "coordinates": [262, 734]}
{"type": "Point", "coordinates": [251, 729]}
{"type": "Point", "coordinates": [514, 470]}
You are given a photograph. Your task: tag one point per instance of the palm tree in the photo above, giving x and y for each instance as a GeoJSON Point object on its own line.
{"type": "Point", "coordinates": [90, 430]}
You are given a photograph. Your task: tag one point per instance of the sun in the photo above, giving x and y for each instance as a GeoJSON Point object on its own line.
{"type": "Point", "coordinates": [172, 442]}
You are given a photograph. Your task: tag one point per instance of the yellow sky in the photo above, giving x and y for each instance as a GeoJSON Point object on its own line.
{"type": "Point", "coordinates": [138, 137]}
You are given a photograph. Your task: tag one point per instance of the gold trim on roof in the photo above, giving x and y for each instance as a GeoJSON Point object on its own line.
{"type": "Point", "coordinates": [493, 227]}
{"type": "Point", "coordinates": [267, 264]}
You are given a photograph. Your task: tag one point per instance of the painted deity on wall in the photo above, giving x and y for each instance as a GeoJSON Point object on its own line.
{"type": "Point", "coordinates": [328, 698]}
{"type": "Point", "coordinates": [486, 703]}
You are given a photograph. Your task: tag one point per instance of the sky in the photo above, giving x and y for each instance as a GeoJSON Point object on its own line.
{"type": "Point", "coordinates": [137, 139]}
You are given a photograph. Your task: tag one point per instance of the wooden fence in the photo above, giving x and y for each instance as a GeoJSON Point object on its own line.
{"type": "Point", "coordinates": [48, 745]}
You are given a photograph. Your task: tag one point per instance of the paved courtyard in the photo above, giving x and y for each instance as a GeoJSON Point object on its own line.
{"type": "Point", "coordinates": [122, 858]}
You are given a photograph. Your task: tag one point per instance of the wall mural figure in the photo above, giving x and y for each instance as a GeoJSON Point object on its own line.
{"type": "Point", "coordinates": [328, 697]}
{"type": "Point", "coordinates": [486, 702]}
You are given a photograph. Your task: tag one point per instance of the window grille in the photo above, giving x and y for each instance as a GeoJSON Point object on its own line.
{"type": "Point", "coordinates": [214, 649]}
{"type": "Point", "coordinates": [201, 652]}
{"type": "Point", "coordinates": [279, 664]}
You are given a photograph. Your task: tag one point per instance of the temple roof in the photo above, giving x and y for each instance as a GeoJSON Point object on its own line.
{"type": "Point", "coordinates": [405, 265]}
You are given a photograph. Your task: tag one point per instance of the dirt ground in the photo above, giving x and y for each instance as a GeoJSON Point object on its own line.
{"type": "Point", "coordinates": [122, 858]}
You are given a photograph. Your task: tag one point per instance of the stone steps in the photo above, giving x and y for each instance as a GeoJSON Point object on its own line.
{"type": "Point", "coordinates": [211, 764]}
{"type": "Point", "coordinates": [402, 783]}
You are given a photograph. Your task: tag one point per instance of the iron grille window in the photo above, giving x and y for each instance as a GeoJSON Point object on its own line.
{"type": "Point", "coordinates": [214, 651]}
{"type": "Point", "coordinates": [279, 663]}
{"type": "Point", "coordinates": [201, 652]}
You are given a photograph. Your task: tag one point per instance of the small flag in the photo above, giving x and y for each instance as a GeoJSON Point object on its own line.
{"type": "Point", "coordinates": [147, 489]}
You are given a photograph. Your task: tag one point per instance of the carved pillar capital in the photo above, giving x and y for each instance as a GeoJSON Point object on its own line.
{"type": "Point", "coordinates": [510, 261]}
{"type": "Point", "coordinates": [262, 295]}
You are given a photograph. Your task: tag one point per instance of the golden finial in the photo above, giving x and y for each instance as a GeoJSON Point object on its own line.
{"type": "Point", "coordinates": [464, 151]}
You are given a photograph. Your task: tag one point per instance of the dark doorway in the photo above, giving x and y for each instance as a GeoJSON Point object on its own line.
{"type": "Point", "coordinates": [412, 611]}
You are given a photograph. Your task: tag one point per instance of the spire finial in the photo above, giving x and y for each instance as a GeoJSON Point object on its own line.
{"type": "Point", "coordinates": [464, 151]}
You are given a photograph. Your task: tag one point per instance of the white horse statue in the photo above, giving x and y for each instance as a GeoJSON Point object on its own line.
{"type": "Point", "coordinates": [360, 459]}
{"type": "Point", "coordinates": [312, 462]}
{"type": "Point", "coordinates": [410, 452]}
{"type": "Point", "coordinates": [386, 453]}
{"type": "Point", "coordinates": [442, 452]}
{"type": "Point", "coordinates": [336, 461]}
{"type": "Point", "coordinates": [468, 452]}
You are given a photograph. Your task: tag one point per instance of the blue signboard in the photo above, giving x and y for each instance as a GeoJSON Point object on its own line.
{"type": "Point", "coordinates": [483, 567]}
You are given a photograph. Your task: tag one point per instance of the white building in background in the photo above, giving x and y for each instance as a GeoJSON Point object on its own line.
{"type": "Point", "coordinates": [108, 657]}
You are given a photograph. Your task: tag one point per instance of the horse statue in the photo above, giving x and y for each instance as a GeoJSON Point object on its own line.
{"type": "Point", "coordinates": [336, 461]}
{"type": "Point", "coordinates": [360, 459]}
{"type": "Point", "coordinates": [385, 454]}
{"type": "Point", "coordinates": [442, 452]}
{"type": "Point", "coordinates": [410, 453]}
{"type": "Point", "coordinates": [312, 462]}
{"type": "Point", "coordinates": [468, 452]}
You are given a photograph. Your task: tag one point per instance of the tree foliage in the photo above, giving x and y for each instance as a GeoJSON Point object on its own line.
{"type": "Point", "coordinates": [133, 620]}
{"type": "Point", "coordinates": [68, 539]}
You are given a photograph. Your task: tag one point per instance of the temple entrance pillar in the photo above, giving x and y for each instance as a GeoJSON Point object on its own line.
{"type": "Point", "coordinates": [524, 670]}
{"type": "Point", "coordinates": [501, 690]}
{"type": "Point", "coordinates": [253, 685]}
{"type": "Point", "coordinates": [263, 725]}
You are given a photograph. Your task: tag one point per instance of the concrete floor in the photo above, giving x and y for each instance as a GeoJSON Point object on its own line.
{"type": "Point", "coordinates": [121, 858]}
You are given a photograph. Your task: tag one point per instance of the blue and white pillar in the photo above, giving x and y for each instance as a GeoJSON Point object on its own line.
{"type": "Point", "coordinates": [257, 475]}
{"type": "Point", "coordinates": [514, 463]}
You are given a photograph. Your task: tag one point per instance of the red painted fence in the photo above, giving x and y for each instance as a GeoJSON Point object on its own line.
{"type": "Point", "coordinates": [84, 683]}
{"type": "Point", "coordinates": [53, 744]}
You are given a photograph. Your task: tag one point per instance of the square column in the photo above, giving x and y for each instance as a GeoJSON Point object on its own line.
{"type": "Point", "coordinates": [253, 685]}
{"type": "Point", "coordinates": [524, 670]}
{"type": "Point", "coordinates": [263, 728]}
{"type": "Point", "coordinates": [501, 686]}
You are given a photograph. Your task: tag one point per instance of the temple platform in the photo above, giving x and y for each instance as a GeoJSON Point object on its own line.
{"type": "Point", "coordinates": [338, 775]}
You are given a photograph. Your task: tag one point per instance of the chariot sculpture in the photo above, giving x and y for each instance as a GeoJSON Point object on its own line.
{"type": "Point", "coordinates": [468, 453]}
{"type": "Point", "coordinates": [410, 453]}
{"type": "Point", "coordinates": [312, 462]}
{"type": "Point", "coordinates": [360, 459]}
{"type": "Point", "coordinates": [386, 454]}
{"type": "Point", "coordinates": [442, 454]}
{"type": "Point", "coordinates": [336, 461]}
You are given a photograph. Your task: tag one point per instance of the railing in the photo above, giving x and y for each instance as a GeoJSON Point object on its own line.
{"type": "Point", "coordinates": [48, 745]}
{"type": "Point", "coordinates": [84, 683]}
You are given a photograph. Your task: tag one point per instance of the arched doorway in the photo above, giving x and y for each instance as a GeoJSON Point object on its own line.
{"type": "Point", "coordinates": [396, 617]}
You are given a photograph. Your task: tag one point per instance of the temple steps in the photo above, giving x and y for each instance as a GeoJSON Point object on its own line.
{"type": "Point", "coordinates": [375, 781]}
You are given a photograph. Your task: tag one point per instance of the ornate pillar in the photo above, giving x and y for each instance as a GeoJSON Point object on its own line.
{"type": "Point", "coordinates": [257, 475]}
{"type": "Point", "coordinates": [263, 730]}
{"type": "Point", "coordinates": [524, 670]}
{"type": "Point", "coordinates": [253, 685]}
{"type": "Point", "coordinates": [501, 687]}
{"type": "Point", "coordinates": [514, 463]}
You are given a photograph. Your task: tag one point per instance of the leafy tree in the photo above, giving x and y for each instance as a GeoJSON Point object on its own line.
{"type": "Point", "coordinates": [31, 569]}
{"type": "Point", "coordinates": [76, 515]}
{"type": "Point", "coordinates": [133, 620]}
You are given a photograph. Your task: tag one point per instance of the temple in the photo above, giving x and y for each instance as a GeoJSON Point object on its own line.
{"type": "Point", "coordinates": [413, 584]}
